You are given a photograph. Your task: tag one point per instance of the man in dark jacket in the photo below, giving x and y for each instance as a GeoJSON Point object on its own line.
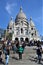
{"type": "Point", "coordinates": [39, 52]}
{"type": "Point", "coordinates": [0, 55]}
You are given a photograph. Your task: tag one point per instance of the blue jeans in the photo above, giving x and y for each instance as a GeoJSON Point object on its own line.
{"type": "Point", "coordinates": [7, 59]}
{"type": "Point", "coordinates": [39, 58]}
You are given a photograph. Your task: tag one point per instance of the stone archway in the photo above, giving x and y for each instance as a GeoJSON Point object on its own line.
{"type": "Point", "coordinates": [16, 38]}
{"type": "Point", "coordinates": [26, 39]}
{"type": "Point", "coordinates": [21, 39]}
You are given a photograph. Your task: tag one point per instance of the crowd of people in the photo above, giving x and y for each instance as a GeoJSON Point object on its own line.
{"type": "Point", "coordinates": [17, 47]}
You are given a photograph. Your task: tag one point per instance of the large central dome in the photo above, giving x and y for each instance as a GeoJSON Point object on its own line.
{"type": "Point", "coordinates": [21, 14]}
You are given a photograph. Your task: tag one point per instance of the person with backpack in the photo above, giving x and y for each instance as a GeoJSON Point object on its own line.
{"type": "Point", "coordinates": [20, 51]}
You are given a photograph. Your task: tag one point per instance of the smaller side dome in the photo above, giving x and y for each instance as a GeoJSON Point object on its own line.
{"type": "Point", "coordinates": [31, 22]}
{"type": "Point", "coordinates": [10, 23]}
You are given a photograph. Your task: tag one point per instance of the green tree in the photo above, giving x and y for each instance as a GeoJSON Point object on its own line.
{"type": "Point", "coordinates": [9, 36]}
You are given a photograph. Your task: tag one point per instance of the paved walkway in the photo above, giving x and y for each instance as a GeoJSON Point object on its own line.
{"type": "Point", "coordinates": [29, 58]}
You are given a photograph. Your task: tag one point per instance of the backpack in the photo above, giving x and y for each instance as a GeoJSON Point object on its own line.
{"type": "Point", "coordinates": [20, 49]}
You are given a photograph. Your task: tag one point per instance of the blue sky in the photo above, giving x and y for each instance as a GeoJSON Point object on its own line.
{"type": "Point", "coordinates": [31, 8]}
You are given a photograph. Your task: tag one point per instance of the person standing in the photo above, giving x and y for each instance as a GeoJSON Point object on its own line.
{"type": "Point", "coordinates": [20, 51]}
{"type": "Point", "coordinates": [39, 52]}
{"type": "Point", "coordinates": [7, 55]}
{"type": "Point", "coordinates": [0, 55]}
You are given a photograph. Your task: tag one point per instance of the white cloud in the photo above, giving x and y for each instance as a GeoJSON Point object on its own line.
{"type": "Point", "coordinates": [10, 7]}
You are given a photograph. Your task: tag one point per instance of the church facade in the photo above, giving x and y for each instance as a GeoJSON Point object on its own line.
{"type": "Point", "coordinates": [23, 29]}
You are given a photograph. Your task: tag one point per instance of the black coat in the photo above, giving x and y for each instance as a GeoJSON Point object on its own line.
{"type": "Point", "coordinates": [39, 49]}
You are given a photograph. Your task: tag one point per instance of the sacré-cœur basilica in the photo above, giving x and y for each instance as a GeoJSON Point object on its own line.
{"type": "Point", "coordinates": [22, 28]}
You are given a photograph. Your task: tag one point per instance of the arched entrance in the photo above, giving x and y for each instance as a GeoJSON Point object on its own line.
{"type": "Point", "coordinates": [26, 39]}
{"type": "Point", "coordinates": [21, 39]}
{"type": "Point", "coordinates": [16, 39]}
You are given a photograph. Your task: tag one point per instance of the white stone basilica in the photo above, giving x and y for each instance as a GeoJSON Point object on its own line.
{"type": "Point", "coordinates": [23, 29]}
